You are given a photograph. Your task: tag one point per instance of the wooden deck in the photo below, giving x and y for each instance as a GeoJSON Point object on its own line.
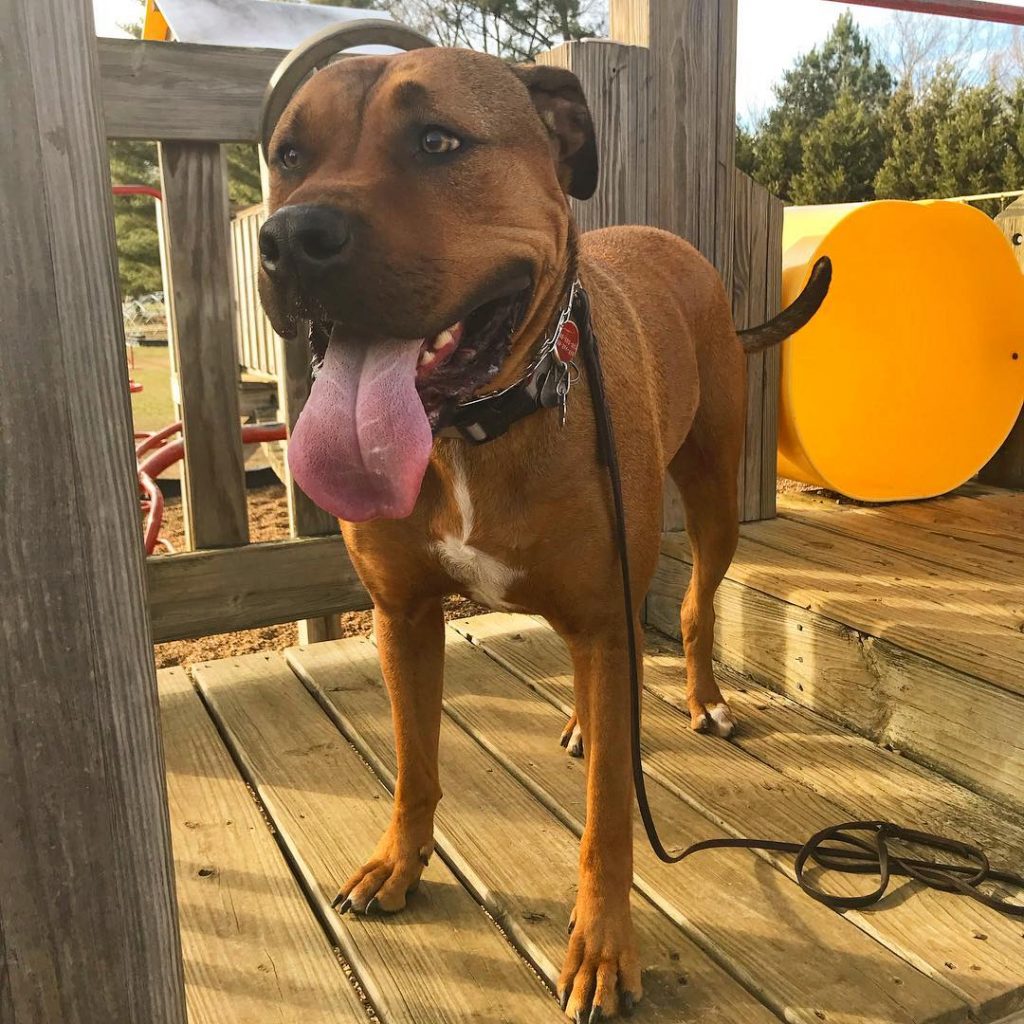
{"type": "Point", "coordinates": [279, 768]}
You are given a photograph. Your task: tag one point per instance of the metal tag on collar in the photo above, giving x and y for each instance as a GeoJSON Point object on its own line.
{"type": "Point", "coordinates": [567, 343]}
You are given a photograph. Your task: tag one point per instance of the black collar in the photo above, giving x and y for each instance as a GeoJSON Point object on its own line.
{"type": "Point", "coordinates": [545, 384]}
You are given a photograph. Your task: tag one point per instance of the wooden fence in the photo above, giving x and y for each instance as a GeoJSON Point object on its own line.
{"type": "Point", "coordinates": [191, 99]}
{"type": "Point", "coordinates": [255, 338]}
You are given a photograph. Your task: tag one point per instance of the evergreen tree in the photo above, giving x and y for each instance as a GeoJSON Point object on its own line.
{"type": "Point", "coordinates": [843, 66]}
{"type": "Point", "coordinates": [952, 139]}
{"type": "Point", "coordinates": [841, 154]}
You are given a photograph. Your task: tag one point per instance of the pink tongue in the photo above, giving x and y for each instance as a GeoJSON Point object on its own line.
{"type": "Point", "coordinates": [362, 443]}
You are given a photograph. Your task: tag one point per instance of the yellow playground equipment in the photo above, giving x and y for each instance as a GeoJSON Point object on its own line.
{"type": "Point", "coordinates": [911, 375]}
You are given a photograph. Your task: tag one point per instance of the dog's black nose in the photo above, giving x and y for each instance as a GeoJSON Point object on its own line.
{"type": "Point", "coordinates": [306, 239]}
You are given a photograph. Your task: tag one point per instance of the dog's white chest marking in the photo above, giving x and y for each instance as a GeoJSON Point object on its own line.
{"type": "Point", "coordinates": [485, 577]}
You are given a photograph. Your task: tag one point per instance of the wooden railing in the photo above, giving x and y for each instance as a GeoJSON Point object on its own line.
{"type": "Point", "coordinates": [191, 99]}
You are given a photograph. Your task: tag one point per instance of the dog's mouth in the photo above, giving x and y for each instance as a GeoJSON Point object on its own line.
{"type": "Point", "coordinates": [457, 362]}
{"type": "Point", "coordinates": [362, 444]}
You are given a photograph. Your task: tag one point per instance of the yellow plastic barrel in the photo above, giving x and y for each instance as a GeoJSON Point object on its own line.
{"type": "Point", "coordinates": [911, 375]}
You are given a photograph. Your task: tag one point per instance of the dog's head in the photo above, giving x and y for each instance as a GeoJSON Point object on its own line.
{"type": "Point", "coordinates": [418, 207]}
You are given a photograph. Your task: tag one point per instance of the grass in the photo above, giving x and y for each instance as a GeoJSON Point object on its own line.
{"type": "Point", "coordinates": [152, 407]}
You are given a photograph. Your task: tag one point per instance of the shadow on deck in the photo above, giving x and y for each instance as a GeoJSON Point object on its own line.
{"type": "Point", "coordinates": [891, 621]}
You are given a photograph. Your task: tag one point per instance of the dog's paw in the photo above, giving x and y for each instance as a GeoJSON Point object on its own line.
{"type": "Point", "coordinates": [384, 882]}
{"type": "Point", "coordinates": [715, 720]}
{"type": "Point", "coordinates": [601, 975]}
{"type": "Point", "coordinates": [572, 738]}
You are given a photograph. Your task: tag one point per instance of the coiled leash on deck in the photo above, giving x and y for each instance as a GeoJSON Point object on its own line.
{"type": "Point", "coordinates": [853, 853]}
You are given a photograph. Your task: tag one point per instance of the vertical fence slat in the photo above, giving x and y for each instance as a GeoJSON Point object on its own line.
{"type": "Point", "coordinates": [772, 362]}
{"type": "Point", "coordinates": [756, 295]}
{"type": "Point", "coordinates": [88, 922]}
{"type": "Point", "coordinates": [1006, 467]}
{"type": "Point", "coordinates": [195, 209]}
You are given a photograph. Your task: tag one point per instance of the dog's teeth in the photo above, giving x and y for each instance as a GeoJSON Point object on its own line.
{"type": "Point", "coordinates": [444, 338]}
{"type": "Point", "coordinates": [427, 357]}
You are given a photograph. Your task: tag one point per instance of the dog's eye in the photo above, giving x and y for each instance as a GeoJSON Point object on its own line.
{"type": "Point", "coordinates": [436, 141]}
{"type": "Point", "coordinates": [289, 157]}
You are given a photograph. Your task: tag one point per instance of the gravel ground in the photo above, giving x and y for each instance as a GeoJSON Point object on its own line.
{"type": "Point", "coordinates": [268, 520]}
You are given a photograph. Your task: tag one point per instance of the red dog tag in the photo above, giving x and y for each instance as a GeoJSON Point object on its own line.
{"type": "Point", "coordinates": [568, 342]}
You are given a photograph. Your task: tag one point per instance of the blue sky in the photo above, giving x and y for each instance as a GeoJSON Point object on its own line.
{"type": "Point", "coordinates": [772, 34]}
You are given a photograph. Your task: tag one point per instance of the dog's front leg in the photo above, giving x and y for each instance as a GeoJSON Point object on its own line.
{"type": "Point", "coordinates": [601, 975]}
{"type": "Point", "coordinates": [411, 645]}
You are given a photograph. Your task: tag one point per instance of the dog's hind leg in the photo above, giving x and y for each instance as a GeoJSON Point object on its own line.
{"type": "Point", "coordinates": [572, 737]}
{"type": "Point", "coordinates": [706, 473]}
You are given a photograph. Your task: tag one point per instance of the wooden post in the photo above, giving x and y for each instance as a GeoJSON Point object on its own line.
{"type": "Point", "coordinates": [1006, 468]}
{"type": "Point", "coordinates": [616, 81]}
{"type": "Point", "coordinates": [757, 295]}
{"type": "Point", "coordinates": [692, 110]}
{"type": "Point", "coordinates": [88, 922]}
{"type": "Point", "coordinates": [193, 178]}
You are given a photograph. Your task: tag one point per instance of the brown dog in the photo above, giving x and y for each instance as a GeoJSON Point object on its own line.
{"type": "Point", "coordinates": [422, 197]}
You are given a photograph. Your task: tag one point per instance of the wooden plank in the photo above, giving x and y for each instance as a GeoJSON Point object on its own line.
{"type": "Point", "coordinates": [943, 547]}
{"type": "Point", "coordinates": [963, 517]}
{"type": "Point", "coordinates": [205, 592]}
{"type": "Point", "coordinates": [952, 722]}
{"type": "Point", "coordinates": [253, 948]}
{"type": "Point", "coordinates": [88, 924]}
{"type": "Point", "coordinates": [515, 856]}
{"type": "Point", "coordinates": [772, 374]}
{"type": "Point", "coordinates": [692, 161]}
{"type": "Point", "coordinates": [870, 781]}
{"type": "Point", "coordinates": [443, 961]}
{"type": "Point", "coordinates": [183, 91]}
{"type": "Point", "coordinates": [863, 982]}
{"type": "Point", "coordinates": [615, 81]}
{"type": "Point", "coordinates": [933, 931]}
{"type": "Point", "coordinates": [942, 614]}
{"type": "Point", "coordinates": [757, 270]}
{"type": "Point", "coordinates": [193, 179]}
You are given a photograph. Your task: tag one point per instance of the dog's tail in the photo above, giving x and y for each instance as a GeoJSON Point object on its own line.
{"type": "Point", "coordinates": [794, 316]}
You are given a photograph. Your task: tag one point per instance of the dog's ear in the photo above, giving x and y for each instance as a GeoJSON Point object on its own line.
{"type": "Point", "coordinates": [559, 100]}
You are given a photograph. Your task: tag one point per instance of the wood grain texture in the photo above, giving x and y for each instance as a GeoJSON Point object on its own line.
{"type": "Point", "coordinates": [933, 931]}
{"type": "Point", "coordinates": [862, 982]}
{"type": "Point", "coordinates": [88, 924]}
{"type": "Point", "coordinates": [851, 771]}
{"type": "Point", "coordinates": [942, 546]}
{"type": "Point", "coordinates": [183, 91]}
{"type": "Point", "coordinates": [693, 121]}
{"type": "Point", "coordinates": [206, 592]}
{"type": "Point", "coordinates": [616, 82]}
{"type": "Point", "coordinates": [968, 623]}
{"type": "Point", "coordinates": [952, 722]}
{"type": "Point", "coordinates": [757, 293]}
{"type": "Point", "coordinates": [518, 859]}
{"type": "Point", "coordinates": [193, 180]}
{"type": "Point", "coordinates": [253, 948]}
{"type": "Point", "coordinates": [442, 961]}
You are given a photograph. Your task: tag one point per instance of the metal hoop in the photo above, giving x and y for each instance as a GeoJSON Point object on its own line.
{"type": "Point", "coordinates": [316, 50]}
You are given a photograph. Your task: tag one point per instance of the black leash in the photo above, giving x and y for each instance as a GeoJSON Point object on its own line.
{"type": "Point", "coordinates": [848, 851]}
